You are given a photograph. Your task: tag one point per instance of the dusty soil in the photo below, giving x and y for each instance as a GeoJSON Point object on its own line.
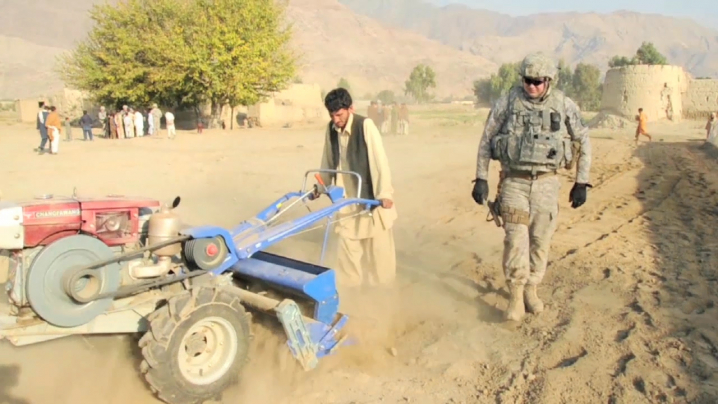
{"type": "Point", "coordinates": [630, 287]}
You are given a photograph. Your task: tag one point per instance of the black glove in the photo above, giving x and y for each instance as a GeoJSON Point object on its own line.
{"type": "Point", "coordinates": [481, 191]}
{"type": "Point", "coordinates": [577, 197]}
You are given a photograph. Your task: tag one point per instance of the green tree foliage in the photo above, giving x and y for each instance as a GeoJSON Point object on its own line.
{"type": "Point", "coordinates": [565, 77]}
{"type": "Point", "coordinates": [183, 52]}
{"type": "Point", "coordinates": [344, 83]}
{"type": "Point", "coordinates": [490, 89]}
{"type": "Point", "coordinates": [386, 97]}
{"type": "Point", "coordinates": [586, 87]}
{"type": "Point", "coordinates": [582, 84]}
{"type": "Point", "coordinates": [647, 54]}
{"type": "Point", "coordinates": [421, 79]}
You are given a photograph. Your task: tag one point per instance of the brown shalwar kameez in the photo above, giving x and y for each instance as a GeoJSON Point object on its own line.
{"type": "Point", "coordinates": [366, 242]}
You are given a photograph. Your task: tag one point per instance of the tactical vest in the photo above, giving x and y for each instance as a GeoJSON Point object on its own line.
{"type": "Point", "coordinates": [357, 155]}
{"type": "Point", "coordinates": [534, 137]}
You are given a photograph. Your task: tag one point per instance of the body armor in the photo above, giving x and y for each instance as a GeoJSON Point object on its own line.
{"type": "Point", "coordinates": [534, 137]}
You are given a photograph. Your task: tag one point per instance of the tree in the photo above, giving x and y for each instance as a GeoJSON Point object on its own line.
{"type": "Point", "coordinates": [647, 54]}
{"type": "Point", "coordinates": [183, 52]}
{"type": "Point", "coordinates": [490, 89]}
{"type": "Point", "coordinates": [110, 63]}
{"type": "Point", "coordinates": [618, 61]}
{"type": "Point", "coordinates": [386, 97]}
{"type": "Point", "coordinates": [565, 78]}
{"type": "Point", "coordinates": [586, 87]}
{"type": "Point", "coordinates": [421, 79]}
{"type": "Point", "coordinates": [343, 83]}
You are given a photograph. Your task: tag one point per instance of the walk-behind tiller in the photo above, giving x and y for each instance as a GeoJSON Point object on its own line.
{"type": "Point", "coordinates": [112, 265]}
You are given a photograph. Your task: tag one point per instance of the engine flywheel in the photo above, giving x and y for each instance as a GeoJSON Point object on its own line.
{"type": "Point", "coordinates": [206, 253]}
{"type": "Point", "coordinates": [52, 279]}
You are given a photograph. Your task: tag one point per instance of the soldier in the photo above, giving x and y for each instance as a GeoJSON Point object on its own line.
{"type": "Point", "coordinates": [533, 131]}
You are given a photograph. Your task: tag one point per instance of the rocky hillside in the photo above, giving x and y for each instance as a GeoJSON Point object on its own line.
{"type": "Point", "coordinates": [376, 43]}
{"type": "Point", "coordinates": [334, 42]}
{"type": "Point", "coordinates": [576, 37]}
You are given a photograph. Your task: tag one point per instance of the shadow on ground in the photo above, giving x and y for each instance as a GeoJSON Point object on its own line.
{"type": "Point", "coordinates": [676, 297]}
{"type": "Point", "coordinates": [9, 378]}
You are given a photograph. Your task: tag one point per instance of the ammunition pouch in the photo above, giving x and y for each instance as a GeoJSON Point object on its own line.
{"type": "Point", "coordinates": [513, 215]}
{"type": "Point", "coordinates": [499, 144]}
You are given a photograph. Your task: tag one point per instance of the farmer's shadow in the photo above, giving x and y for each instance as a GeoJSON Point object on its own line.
{"type": "Point", "coordinates": [9, 378]}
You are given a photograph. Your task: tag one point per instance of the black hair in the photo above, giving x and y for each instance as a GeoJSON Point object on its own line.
{"type": "Point", "coordinates": [640, 109]}
{"type": "Point", "coordinates": [84, 112]}
{"type": "Point", "coordinates": [337, 99]}
{"type": "Point", "coordinates": [52, 108]}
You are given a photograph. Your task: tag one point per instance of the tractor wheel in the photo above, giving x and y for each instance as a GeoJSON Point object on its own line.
{"type": "Point", "coordinates": [196, 346]}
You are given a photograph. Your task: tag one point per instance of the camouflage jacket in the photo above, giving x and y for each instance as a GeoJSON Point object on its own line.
{"type": "Point", "coordinates": [500, 113]}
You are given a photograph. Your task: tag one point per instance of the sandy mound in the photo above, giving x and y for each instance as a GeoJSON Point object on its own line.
{"type": "Point", "coordinates": [605, 120]}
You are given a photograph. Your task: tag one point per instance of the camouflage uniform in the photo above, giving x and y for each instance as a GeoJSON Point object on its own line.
{"type": "Point", "coordinates": [532, 139]}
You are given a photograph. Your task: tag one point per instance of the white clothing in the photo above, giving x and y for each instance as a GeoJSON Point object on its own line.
{"type": "Point", "coordinates": [170, 118]}
{"type": "Point", "coordinates": [129, 131]}
{"type": "Point", "coordinates": [55, 142]}
{"type": "Point", "coordinates": [139, 124]}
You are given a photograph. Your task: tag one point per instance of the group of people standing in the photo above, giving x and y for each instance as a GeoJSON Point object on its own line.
{"type": "Point", "coordinates": [129, 123]}
{"type": "Point", "coordinates": [389, 118]}
{"type": "Point", "coordinates": [123, 124]}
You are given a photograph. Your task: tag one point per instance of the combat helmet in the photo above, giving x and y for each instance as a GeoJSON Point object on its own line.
{"type": "Point", "coordinates": [538, 65]}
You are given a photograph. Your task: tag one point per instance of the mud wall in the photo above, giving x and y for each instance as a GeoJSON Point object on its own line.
{"type": "Point", "coordinates": [701, 99]}
{"type": "Point", "coordinates": [27, 110]}
{"type": "Point", "coordinates": [68, 102]}
{"type": "Point", "coordinates": [658, 90]}
{"type": "Point", "coordinates": [298, 103]}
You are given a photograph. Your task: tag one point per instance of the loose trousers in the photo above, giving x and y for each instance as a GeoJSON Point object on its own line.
{"type": "Point", "coordinates": [373, 258]}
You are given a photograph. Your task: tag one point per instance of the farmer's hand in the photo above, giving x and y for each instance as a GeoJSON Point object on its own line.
{"type": "Point", "coordinates": [314, 195]}
{"type": "Point", "coordinates": [386, 203]}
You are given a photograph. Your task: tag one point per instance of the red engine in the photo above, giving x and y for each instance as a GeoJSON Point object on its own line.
{"type": "Point", "coordinates": [116, 220]}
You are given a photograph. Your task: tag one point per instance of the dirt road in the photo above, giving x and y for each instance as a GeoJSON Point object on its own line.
{"type": "Point", "coordinates": [630, 287]}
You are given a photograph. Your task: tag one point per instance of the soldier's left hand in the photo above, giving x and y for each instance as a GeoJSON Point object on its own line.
{"type": "Point", "coordinates": [578, 194]}
{"type": "Point", "coordinates": [386, 203]}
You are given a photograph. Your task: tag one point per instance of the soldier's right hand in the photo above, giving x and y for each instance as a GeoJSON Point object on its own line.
{"type": "Point", "coordinates": [481, 191]}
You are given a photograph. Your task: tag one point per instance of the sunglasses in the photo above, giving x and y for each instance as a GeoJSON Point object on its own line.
{"type": "Point", "coordinates": [534, 82]}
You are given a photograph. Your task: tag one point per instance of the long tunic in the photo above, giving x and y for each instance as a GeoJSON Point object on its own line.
{"type": "Point", "coordinates": [361, 226]}
{"type": "Point", "coordinates": [129, 127]}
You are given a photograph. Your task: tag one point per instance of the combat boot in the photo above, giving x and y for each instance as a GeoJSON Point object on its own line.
{"type": "Point", "coordinates": [516, 309]}
{"type": "Point", "coordinates": [533, 303]}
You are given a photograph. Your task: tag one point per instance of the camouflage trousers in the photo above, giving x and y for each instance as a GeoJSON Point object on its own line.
{"type": "Point", "coordinates": [529, 209]}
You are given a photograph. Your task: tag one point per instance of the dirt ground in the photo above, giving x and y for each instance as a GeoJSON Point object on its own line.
{"type": "Point", "coordinates": [630, 289]}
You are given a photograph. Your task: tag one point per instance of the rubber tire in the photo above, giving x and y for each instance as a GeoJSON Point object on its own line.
{"type": "Point", "coordinates": [162, 341]}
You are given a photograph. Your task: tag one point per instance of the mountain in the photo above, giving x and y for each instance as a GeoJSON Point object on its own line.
{"type": "Point", "coordinates": [334, 42]}
{"type": "Point", "coordinates": [575, 37]}
{"type": "Point", "coordinates": [337, 42]}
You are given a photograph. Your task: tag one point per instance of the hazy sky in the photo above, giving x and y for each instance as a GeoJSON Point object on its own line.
{"type": "Point", "coordinates": [703, 11]}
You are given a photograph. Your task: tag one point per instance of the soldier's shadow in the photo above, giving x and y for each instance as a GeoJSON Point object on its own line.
{"type": "Point", "coordinates": [485, 300]}
{"type": "Point", "coordinates": [9, 378]}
